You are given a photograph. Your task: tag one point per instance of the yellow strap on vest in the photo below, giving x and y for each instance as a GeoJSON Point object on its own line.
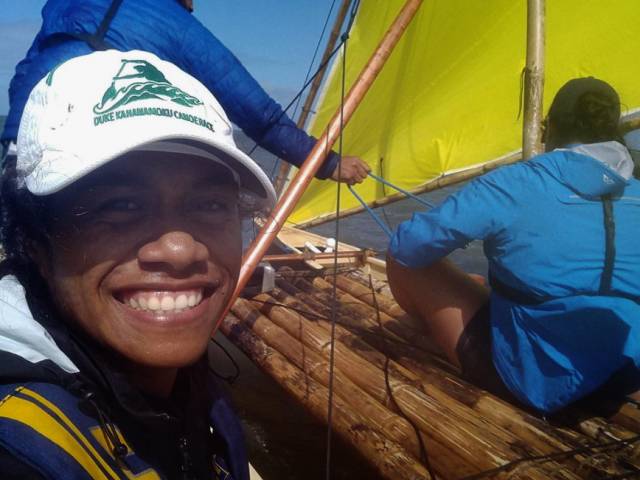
{"type": "Point", "coordinates": [148, 474]}
{"type": "Point", "coordinates": [52, 427]}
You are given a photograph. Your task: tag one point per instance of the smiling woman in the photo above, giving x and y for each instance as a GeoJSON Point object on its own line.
{"type": "Point", "coordinates": [123, 245]}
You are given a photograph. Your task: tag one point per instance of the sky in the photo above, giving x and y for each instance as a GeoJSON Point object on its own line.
{"type": "Point", "coordinates": [274, 39]}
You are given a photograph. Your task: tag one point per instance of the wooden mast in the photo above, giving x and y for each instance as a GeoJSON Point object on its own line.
{"type": "Point", "coordinates": [318, 154]}
{"type": "Point", "coordinates": [533, 80]}
{"type": "Point", "coordinates": [285, 168]}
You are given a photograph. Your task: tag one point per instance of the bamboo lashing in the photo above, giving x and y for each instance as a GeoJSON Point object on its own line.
{"type": "Point", "coordinates": [287, 202]}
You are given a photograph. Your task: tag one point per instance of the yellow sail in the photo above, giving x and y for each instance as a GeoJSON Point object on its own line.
{"type": "Point", "coordinates": [448, 98]}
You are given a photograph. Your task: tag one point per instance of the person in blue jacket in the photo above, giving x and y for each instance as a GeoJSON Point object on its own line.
{"type": "Point", "coordinates": [166, 28]}
{"type": "Point", "coordinates": [560, 233]}
{"type": "Point", "coordinates": [121, 224]}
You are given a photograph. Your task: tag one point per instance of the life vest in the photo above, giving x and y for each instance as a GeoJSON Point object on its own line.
{"type": "Point", "coordinates": [43, 425]}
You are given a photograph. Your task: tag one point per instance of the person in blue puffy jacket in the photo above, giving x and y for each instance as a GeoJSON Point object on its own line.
{"type": "Point", "coordinates": [71, 28]}
{"type": "Point", "coordinates": [560, 233]}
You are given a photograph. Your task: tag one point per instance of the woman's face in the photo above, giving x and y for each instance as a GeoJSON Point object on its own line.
{"type": "Point", "coordinates": [144, 255]}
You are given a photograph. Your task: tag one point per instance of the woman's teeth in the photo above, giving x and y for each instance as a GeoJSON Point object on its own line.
{"type": "Point", "coordinates": [161, 302]}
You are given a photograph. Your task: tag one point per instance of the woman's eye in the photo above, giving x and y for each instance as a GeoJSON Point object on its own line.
{"type": "Point", "coordinates": [211, 206]}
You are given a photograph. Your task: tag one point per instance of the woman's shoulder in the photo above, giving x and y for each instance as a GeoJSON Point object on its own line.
{"type": "Point", "coordinates": [13, 468]}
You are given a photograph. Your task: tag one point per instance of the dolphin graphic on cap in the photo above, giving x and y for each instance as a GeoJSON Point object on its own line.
{"type": "Point", "coordinates": [140, 80]}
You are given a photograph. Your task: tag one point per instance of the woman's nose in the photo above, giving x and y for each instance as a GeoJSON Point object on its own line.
{"type": "Point", "coordinates": [179, 250]}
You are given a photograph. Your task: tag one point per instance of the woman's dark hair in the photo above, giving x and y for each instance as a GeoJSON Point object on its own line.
{"type": "Point", "coordinates": [585, 110]}
{"type": "Point", "coordinates": [23, 224]}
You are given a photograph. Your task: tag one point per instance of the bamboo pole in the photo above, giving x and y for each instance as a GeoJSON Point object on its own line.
{"type": "Point", "coordinates": [536, 434]}
{"type": "Point", "coordinates": [449, 424]}
{"type": "Point", "coordinates": [626, 415]}
{"type": "Point", "coordinates": [285, 167]}
{"type": "Point", "coordinates": [287, 340]}
{"type": "Point", "coordinates": [388, 458]}
{"type": "Point", "coordinates": [363, 293]}
{"type": "Point", "coordinates": [288, 201]}
{"type": "Point", "coordinates": [406, 328]}
{"type": "Point", "coordinates": [624, 423]}
{"type": "Point", "coordinates": [534, 80]}
{"type": "Point", "coordinates": [322, 303]}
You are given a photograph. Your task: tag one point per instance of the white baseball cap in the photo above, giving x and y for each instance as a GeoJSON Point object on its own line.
{"type": "Point", "coordinates": [94, 108]}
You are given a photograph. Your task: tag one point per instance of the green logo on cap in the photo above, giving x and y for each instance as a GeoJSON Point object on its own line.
{"type": "Point", "coordinates": [139, 80]}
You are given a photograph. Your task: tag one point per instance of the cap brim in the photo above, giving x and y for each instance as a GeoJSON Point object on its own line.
{"type": "Point", "coordinates": [252, 179]}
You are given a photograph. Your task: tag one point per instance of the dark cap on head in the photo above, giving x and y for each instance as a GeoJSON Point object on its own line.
{"type": "Point", "coordinates": [564, 103]}
{"type": "Point", "coordinates": [585, 110]}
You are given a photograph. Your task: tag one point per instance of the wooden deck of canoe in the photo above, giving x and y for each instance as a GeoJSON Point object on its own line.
{"type": "Point", "coordinates": [392, 391]}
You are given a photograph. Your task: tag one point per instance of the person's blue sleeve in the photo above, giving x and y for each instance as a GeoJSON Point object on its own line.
{"type": "Point", "coordinates": [19, 92]}
{"type": "Point", "coordinates": [476, 212]}
{"type": "Point", "coordinates": [244, 100]}
{"type": "Point", "coordinates": [32, 69]}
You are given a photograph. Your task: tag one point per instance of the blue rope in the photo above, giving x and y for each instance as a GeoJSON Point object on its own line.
{"type": "Point", "coordinates": [382, 225]}
{"type": "Point", "coordinates": [408, 194]}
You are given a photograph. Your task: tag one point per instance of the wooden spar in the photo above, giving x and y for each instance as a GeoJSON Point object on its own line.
{"type": "Point", "coordinates": [533, 80]}
{"type": "Point", "coordinates": [358, 255]}
{"type": "Point", "coordinates": [290, 198]}
{"type": "Point", "coordinates": [626, 125]}
{"type": "Point", "coordinates": [285, 167]}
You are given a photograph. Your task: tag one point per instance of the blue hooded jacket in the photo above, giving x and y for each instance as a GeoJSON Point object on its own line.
{"type": "Point", "coordinates": [167, 29]}
{"type": "Point", "coordinates": [542, 224]}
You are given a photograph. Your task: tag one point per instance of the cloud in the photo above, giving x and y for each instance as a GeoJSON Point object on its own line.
{"type": "Point", "coordinates": [15, 40]}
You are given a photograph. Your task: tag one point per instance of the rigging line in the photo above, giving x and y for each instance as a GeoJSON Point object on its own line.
{"type": "Point", "coordinates": [315, 53]}
{"type": "Point", "coordinates": [625, 442]}
{"type": "Point", "coordinates": [272, 122]}
{"type": "Point", "coordinates": [276, 164]}
{"type": "Point", "coordinates": [343, 40]}
{"type": "Point", "coordinates": [385, 228]}
{"type": "Point", "coordinates": [384, 194]}
{"type": "Point", "coordinates": [334, 290]}
{"type": "Point", "coordinates": [401, 190]}
{"type": "Point", "coordinates": [424, 457]}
